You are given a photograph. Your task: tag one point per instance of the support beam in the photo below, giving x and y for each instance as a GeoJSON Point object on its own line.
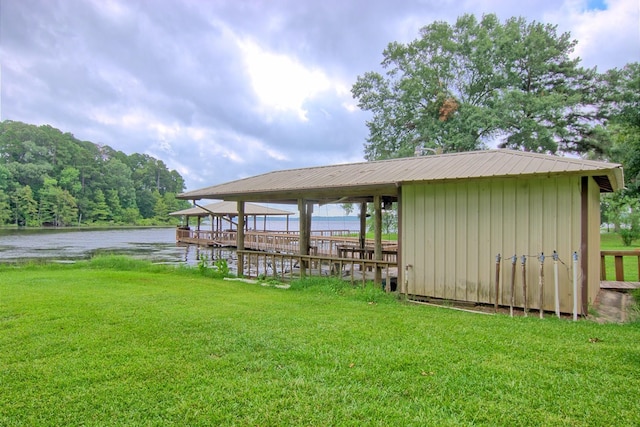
{"type": "Point", "coordinates": [401, 271]}
{"type": "Point", "coordinates": [304, 234]}
{"type": "Point", "coordinates": [584, 246]}
{"type": "Point", "coordinates": [363, 224]}
{"type": "Point", "coordinates": [309, 215]}
{"type": "Point", "coordinates": [377, 249]}
{"type": "Point", "coordinates": [240, 238]}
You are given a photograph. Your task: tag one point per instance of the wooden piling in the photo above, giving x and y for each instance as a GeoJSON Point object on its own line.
{"type": "Point", "coordinates": [541, 284]}
{"type": "Point", "coordinates": [240, 238]}
{"type": "Point", "coordinates": [524, 284]}
{"type": "Point", "coordinates": [497, 281]}
{"type": "Point", "coordinates": [514, 258]}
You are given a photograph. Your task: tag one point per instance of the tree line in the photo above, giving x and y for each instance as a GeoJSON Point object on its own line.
{"type": "Point", "coordinates": [50, 178]}
{"type": "Point", "coordinates": [515, 84]}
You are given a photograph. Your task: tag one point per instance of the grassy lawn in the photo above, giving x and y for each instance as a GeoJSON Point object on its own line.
{"type": "Point", "coordinates": [613, 242]}
{"type": "Point", "coordinates": [95, 344]}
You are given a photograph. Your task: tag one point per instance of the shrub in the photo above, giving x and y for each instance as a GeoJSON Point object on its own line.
{"type": "Point", "coordinates": [628, 217]}
{"type": "Point", "coordinates": [219, 269]}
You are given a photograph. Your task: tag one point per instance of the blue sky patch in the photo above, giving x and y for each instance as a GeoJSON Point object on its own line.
{"type": "Point", "coordinates": [596, 5]}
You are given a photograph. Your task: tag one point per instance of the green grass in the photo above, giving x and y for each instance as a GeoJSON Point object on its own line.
{"type": "Point", "coordinates": [371, 235]}
{"type": "Point", "coordinates": [116, 342]}
{"type": "Point", "coordinates": [613, 242]}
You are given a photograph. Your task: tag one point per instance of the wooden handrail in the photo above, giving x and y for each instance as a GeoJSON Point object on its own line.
{"type": "Point", "coordinates": [275, 265]}
{"type": "Point", "coordinates": [618, 263]}
{"type": "Point", "coordinates": [325, 242]}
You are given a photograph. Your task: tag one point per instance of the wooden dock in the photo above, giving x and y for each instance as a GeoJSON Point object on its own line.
{"type": "Point", "coordinates": [621, 282]}
{"type": "Point", "coordinates": [291, 266]}
{"type": "Point", "coordinates": [326, 243]}
{"type": "Point", "coordinates": [619, 286]}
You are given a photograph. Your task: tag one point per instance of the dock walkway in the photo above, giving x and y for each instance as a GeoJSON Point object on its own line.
{"type": "Point", "coordinates": [326, 243]}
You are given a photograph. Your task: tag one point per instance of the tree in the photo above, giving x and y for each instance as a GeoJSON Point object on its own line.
{"type": "Point", "coordinates": [101, 183]}
{"type": "Point", "coordinates": [5, 208]}
{"type": "Point", "coordinates": [160, 209]}
{"type": "Point", "coordinates": [622, 110]}
{"type": "Point", "coordinates": [130, 215]}
{"type": "Point", "coordinates": [57, 206]}
{"type": "Point", "coordinates": [460, 86]}
{"type": "Point", "coordinates": [348, 208]}
{"type": "Point", "coordinates": [70, 180]}
{"type": "Point", "coordinates": [628, 216]}
{"type": "Point", "coordinates": [390, 220]}
{"type": "Point", "coordinates": [99, 209]}
{"type": "Point", "coordinates": [547, 102]}
{"type": "Point", "coordinates": [113, 201]}
{"type": "Point", "coordinates": [117, 177]}
{"type": "Point", "coordinates": [26, 207]}
{"type": "Point", "coordinates": [30, 169]}
{"type": "Point", "coordinates": [146, 202]}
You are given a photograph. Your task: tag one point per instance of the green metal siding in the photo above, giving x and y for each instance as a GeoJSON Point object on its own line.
{"type": "Point", "coordinates": [452, 232]}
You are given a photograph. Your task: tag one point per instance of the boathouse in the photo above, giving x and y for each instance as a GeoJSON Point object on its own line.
{"type": "Point", "coordinates": [224, 228]}
{"type": "Point", "coordinates": [223, 222]}
{"type": "Point", "coordinates": [456, 213]}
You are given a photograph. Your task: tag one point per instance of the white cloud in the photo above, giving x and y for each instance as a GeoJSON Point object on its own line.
{"type": "Point", "coordinates": [281, 82]}
{"type": "Point", "coordinates": [116, 11]}
{"type": "Point", "coordinates": [225, 89]}
{"type": "Point", "coordinates": [604, 36]}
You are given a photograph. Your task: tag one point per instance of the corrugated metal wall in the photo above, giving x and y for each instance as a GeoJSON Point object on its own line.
{"type": "Point", "coordinates": [452, 232]}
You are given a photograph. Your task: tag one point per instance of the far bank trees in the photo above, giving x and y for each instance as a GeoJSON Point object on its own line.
{"type": "Point", "coordinates": [51, 178]}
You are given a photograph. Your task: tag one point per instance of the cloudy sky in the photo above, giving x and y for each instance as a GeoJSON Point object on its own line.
{"type": "Point", "coordinates": [224, 89]}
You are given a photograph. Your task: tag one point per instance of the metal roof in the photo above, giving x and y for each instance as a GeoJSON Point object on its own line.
{"type": "Point", "coordinates": [229, 208]}
{"type": "Point", "coordinates": [360, 181]}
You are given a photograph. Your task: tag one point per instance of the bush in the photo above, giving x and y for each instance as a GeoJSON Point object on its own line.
{"type": "Point", "coordinates": [628, 216]}
{"type": "Point", "coordinates": [219, 269]}
{"type": "Point", "coordinates": [629, 235]}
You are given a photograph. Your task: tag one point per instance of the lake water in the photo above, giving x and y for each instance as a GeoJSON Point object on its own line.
{"type": "Point", "coordinates": [156, 244]}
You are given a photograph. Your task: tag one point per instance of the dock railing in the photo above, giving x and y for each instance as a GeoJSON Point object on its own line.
{"type": "Point", "coordinates": [287, 267]}
{"type": "Point", "coordinates": [622, 280]}
{"type": "Point", "coordinates": [334, 243]}
{"type": "Point", "coordinates": [206, 237]}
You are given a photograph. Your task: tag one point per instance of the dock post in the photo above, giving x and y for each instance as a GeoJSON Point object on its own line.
{"type": "Point", "coordinates": [240, 238]}
{"type": "Point", "coordinates": [304, 235]}
{"type": "Point", "coordinates": [377, 249]}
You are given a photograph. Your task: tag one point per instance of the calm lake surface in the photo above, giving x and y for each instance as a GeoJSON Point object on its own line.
{"type": "Point", "coordinates": [155, 244]}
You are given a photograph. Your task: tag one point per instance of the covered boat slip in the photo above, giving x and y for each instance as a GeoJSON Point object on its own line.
{"type": "Point", "coordinates": [456, 213]}
{"type": "Point", "coordinates": [223, 222]}
{"type": "Point", "coordinates": [222, 214]}
{"type": "Point", "coordinates": [224, 232]}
